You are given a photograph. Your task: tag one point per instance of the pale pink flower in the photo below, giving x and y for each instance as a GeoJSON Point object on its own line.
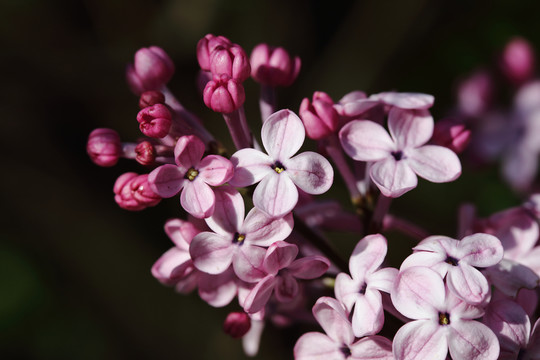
{"type": "Point", "coordinates": [279, 172]}
{"type": "Point", "coordinates": [339, 342]}
{"type": "Point", "coordinates": [457, 260]}
{"type": "Point", "coordinates": [360, 292]}
{"type": "Point", "coordinates": [194, 174]}
{"type": "Point", "coordinates": [442, 321]}
{"type": "Point", "coordinates": [234, 240]}
{"type": "Point", "coordinates": [280, 272]}
{"type": "Point", "coordinates": [399, 157]}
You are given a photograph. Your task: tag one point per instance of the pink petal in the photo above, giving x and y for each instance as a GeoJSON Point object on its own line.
{"type": "Point", "coordinates": [372, 348]}
{"type": "Point", "coordinates": [250, 341]}
{"type": "Point", "coordinates": [247, 263]}
{"type": "Point", "coordinates": [534, 342]}
{"type": "Point", "coordinates": [367, 256]}
{"type": "Point", "coordinates": [229, 211]}
{"type": "Point", "coordinates": [218, 290]}
{"type": "Point", "coordinates": [468, 284]}
{"type": "Point", "coordinates": [421, 340]}
{"type": "Point", "coordinates": [418, 293]}
{"type": "Point", "coordinates": [198, 199]}
{"type": "Point", "coordinates": [347, 290]}
{"type": "Point", "coordinates": [215, 170]}
{"type": "Point", "coordinates": [166, 180]}
{"type": "Point", "coordinates": [332, 317]}
{"type": "Point", "coordinates": [405, 100]}
{"type": "Point", "coordinates": [481, 250]}
{"type": "Point", "coordinates": [283, 135]}
{"type": "Point", "coordinates": [250, 167]}
{"type": "Point", "coordinates": [383, 279]}
{"type": "Point", "coordinates": [510, 276]}
{"type": "Point", "coordinates": [435, 163]}
{"type": "Point", "coordinates": [434, 261]}
{"type": "Point", "coordinates": [356, 108]}
{"type": "Point", "coordinates": [170, 267]}
{"type": "Point", "coordinates": [189, 281]}
{"type": "Point", "coordinates": [472, 340]}
{"type": "Point", "coordinates": [188, 152]}
{"type": "Point", "coordinates": [181, 232]}
{"type": "Point", "coordinates": [366, 140]}
{"type": "Point", "coordinates": [510, 324]}
{"type": "Point", "coordinates": [286, 287]}
{"type": "Point", "coordinates": [262, 230]}
{"type": "Point", "coordinates": [276, 195]}
{"type": "Point", "coordinates": [211, 253]}
{"type": "Point", "coordinates": [317, 346]}
{"type": "Point", "coordinates": [278, 256]}
{"type": "Point", "coordinates": [310, 267]}
{"type": "Point", "coordinates": [393, 178]}
{"type": "Point", "coordinates": [410, 128]}
{"type": "Point", "coordinates": [311, 172]}
{"type": "Point", "coordinates": [368, 316]}
{"type": "Point", "coordinates": [259, 295]}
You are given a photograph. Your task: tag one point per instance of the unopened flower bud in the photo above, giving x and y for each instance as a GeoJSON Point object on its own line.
{"type": "Point", "coordinates": [517, 61]}
{"type": "Point", "coordinates": [104, 147]}
{"type": "Point", "coordinates": [232, 61]}
{"type": "Point", "coordinates": [273, 66]}
{"type": "Point", "coordinates": [149, 98]}
{"type": "Point", "coordinates": [206, 46]}
{"type": "Point", "coordinates": [151, 70]}
{"type": "Point", "coordinates": [132, 192]}
{"type": "Point", "coordinates": [237, 324]}
{"type": "Point", "coordinates": [319, 116]}
{"type": "Point", "coordinates": [145, 153]}
{"type": "Point", "coordinates": [155, 121]}
{"type": "Point", "coordinates": [475, 93]}
{"type": "Point", "coordinates": [452, 134]}
{"type": "Point", "coordinates": [223, 94]}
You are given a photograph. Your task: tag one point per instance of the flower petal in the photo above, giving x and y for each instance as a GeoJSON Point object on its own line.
{"type": "Point", "coordinates": [247, 263]}
{"type": "Point", "coordinates": [509, 277]}
{"type": "Point", "coordinates": [366, 140]}
{"type": "Point", "coordinates": [166, 180]}
{"type": "Point", "coordinates": [383, 279]}
{"type": "Point", "coordinates": [347, 290]}
{"type": "Point", "coordinates": [310, 267]}
{"type": "Point", "coordinates": [372, 348]}
{"type": "Point", "coordinates": [367, 256]}
{"type": "Point", "coordinates": [170, 267]}
{"type": "Point", "coordinates": [510, 324]}
{"type": "Point", "coordinates": [218, 290]}
{"type": "Point", "coordinates": [393, 178]}
{"type": "Point", "coordinates": [405, 100]}
{"type": "Point", "coordinates": [259, 295]}
{"type": "Point", "coordinates": [410, 128]}
{"type": "Point", "coordinates": [228, 211]}
{"type": "Point", "coordinates": [215, 170]}
{"type": "Point", "coordinates": [481, 250]}
{"type": "Point", "coordinates": [332, 317]}
{"type": "Point", "coordinates": [198, 199]}
{"type": "Point", "coordinates": [278, 256]}
{"type": "Point", "coordinates": [276, 195]}
{"type": "Point", "coordinates": [434, 163]}
{"type": "Point", "coordinates": [311, 172]}
{"type": "Point", "coordinates": [421, 340]}
{"type": "Point", "coordinates": [211, 253]}
{"type": "Point", "coordinates": [368, 316]}
{"type": "Point", "coordinates": [188, 152]}
{"type": "Point", "coordinates": [472, 340]}
{"type": "Point", "coordinates": [317, 346]}
{"type": "Point", "coordinates": [181, 232]}
{"type": "Point", "coordinates": [250, 166]}
{"type": "Point", "coordinates": [286, 288]}
{"type": "Point", "coordinates": [283, 135]}
{"type": "Point", "coordinates": [467, 283]}
{"type": "Point", "coordinates": [262, 230]}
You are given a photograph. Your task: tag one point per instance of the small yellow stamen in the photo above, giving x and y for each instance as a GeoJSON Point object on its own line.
{"type": "Point", "coordinates": [192, 174]}
{"type": "Point", "coordinates": [279, 170]}
{"type": "Point", "coordinates": [240, 237]}
{"type": "Point", "coordinates": [443, 319]}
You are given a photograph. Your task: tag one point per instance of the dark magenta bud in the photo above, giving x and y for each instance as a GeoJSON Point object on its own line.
{"type": "Point", "coordinates": [319, 116]}
{"type": "Point", "coordinates": [223, 94]}
{"type": "Point", "coordinates": [145, 153]}
{"type": "Point", "coordinates": [237, 324]}
{"type": "Point", "coordinates": [132, 192]}
{"type": "Point", "coordinates": [155, 121]}
{"type": "Point", "coordinates": [149, 98]}
{"type": "Point", "coordinates": [452, 134]}
{"type": "Point", "coordinates": [232, 61]}
{"type": "Point", "coordinates": [206, 46]}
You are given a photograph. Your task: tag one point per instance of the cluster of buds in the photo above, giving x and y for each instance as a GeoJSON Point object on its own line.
{"type": "Point", "coordinates": [471, 297]}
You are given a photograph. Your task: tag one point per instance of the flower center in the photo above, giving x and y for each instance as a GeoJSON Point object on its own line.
{"type": "Point", "coordinates": [444, 318]}
{"type": "Point", "coordinates": [192, 174]}
{"type": "Point", "coordinates": [345, 350]}
{"type": "Point", "coordinates": [238, 238]}
{"type": "Point", "coordinates": [451, 260]}
{"type": "Point", "coordinates": [363, 289]}
{"type": "Point", "coordinates": [278, 167]}
{"type": "Point", "coordinates": [398, 155]}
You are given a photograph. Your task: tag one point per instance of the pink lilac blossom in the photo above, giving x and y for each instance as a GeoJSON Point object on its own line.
{"type": "Point", "coordinates": [279, 172]}
{"type": "Point", "coordinates": [339, 342]}
{"type": "Point", "coordinates": [398, 158]}
{"type": "Point", "coordinates": [457, 261]}
{"type": "Point", "coordinates": [273, 66]}
{"type": "Point", "coordinates": [360, 292]}
{"type": "Point", "coordinates": [441, 321]}
{"type": "Point", "coordinates": [193, 175]}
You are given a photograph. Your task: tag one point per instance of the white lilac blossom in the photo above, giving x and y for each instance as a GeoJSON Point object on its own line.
{"type": "Point", "coordinates": [279, 172]}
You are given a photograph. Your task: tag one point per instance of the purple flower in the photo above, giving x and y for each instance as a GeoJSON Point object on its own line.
{"type": "Point", "coordinates": [194, 174]}
{"type": "Point", "coordinates": [279, 172]}
{"type": "Point", "coordinates": [397, 158]}
{"type": "Point", "coordinates": [442, 322]}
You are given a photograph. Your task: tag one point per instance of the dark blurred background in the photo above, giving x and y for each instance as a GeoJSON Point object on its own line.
{"type": "Point", "coordinates": [75, 277]}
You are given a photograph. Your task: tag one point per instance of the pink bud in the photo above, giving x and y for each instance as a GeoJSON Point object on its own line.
{"type": "Point", "coordinates": [152, 97]}
{"type": "Point", "coordinates": [273, 66]}
{"type": "Point", "coordinates": [104, 147]}
{"type": "Point", "coordinates": [132, 192]}
{"type": "Point", "coordinates": [517, 61]}
{"type": "Point", "coordinates": [223, 94]}
{"type": "Point", "coordinates": [237, 324]}
{"type": "Point", "coordinates": [452, 134]}
{"type": "Point", "coordinates": [475, 93]}
{"type": "Point", "coordinates": [155, 121]}
{"type": "Point", "coordinates": [145, 153]}
{"type": "Point", "coordinates": [206, 46]}
{"type": "Point", "coordinates": [319, 117]}
{"type": "Point", "coordinates": [152, 69]}
{"type": "Point", "coordinates": [232, 61]}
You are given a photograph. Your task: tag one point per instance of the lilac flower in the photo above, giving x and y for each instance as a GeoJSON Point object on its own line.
{"type": "Point", "coordinates": [398, 158]}
{"type": "Point", "coordinates": [405, 100]}
{"type": "Point", "coordinates": [457, 260]}
{"type": "Point", "coordinates": [278, 172]}
{"type": "Point", "coordinates": [281, 271]}
{"type": "Point", "coordinates": [442, 322]}
{"type": "Point", "coordinates": [360, 292]}
{"type": "Point", "coordinates": [193, 174]}
{"type": "Point", "coordinates": [339, 342]}
{"type": "Point", "coordinates": [236, 240]}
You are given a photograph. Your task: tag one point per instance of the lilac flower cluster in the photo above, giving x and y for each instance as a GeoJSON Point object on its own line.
{"type": "Point", "coordinates": [474, 297]}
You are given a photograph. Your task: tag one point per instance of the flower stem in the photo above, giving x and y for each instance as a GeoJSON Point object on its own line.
{"type": "Point", "coordinates": [267, 101]}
